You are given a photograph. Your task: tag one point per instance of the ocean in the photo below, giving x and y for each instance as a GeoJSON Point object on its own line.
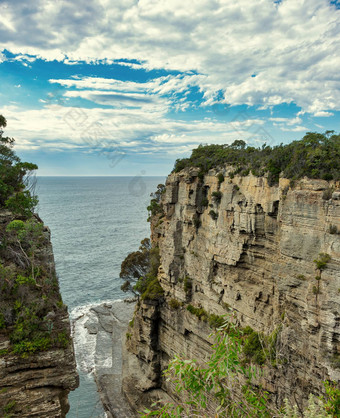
{"type": "Point", "coordinates": [95, 222]}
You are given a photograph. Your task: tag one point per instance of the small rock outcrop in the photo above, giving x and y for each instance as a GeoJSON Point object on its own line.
{"type": "Point", "coordinates": [236, 242]}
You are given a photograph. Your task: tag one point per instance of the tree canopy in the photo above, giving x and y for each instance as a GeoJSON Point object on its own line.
{"type": "Point", "coordinates": [14, 177]}
{"type": "Point", "coordinates": [139, 270]}
{"type": "Point", "coordinates": [316, 155]}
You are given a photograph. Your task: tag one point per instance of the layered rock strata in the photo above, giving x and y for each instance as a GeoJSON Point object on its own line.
{"type": "Point", "coordinates": [249, 246]}
{"type": "Point", "coordinates": [34, 384]}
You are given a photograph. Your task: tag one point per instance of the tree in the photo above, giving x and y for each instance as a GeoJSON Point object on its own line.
{"type": "Point", "coordinates": [135, 266]}
{"type": "Point", "coordinates": [139, 270]}
{"type": "Point", "coordinates": [15, 178]}
{"type": "Point", "coordinates": [155, 207]}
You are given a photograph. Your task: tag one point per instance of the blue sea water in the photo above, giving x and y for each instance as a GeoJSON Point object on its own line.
{"type": "Point", "coordinates": [95, 222]}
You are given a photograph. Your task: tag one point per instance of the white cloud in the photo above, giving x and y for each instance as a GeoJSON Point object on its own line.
{"type": "Point", "coordinates": [323, 114]}
{"type": "Point", "coordinates": [134, 129]}
{"type": "Point", "coordinates": [292, 48]}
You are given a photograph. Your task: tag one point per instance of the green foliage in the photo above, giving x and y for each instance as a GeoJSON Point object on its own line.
{"type": "Point", "coordinates": [218, 378]}
{"type": "Point", "coordinates": [155, 206]}
{"type": "Point", "coordinates": [28, 290]}
{"type": "Point", "coordinates": [187, 284]}
{"type": "Point", "coordinates": [315, 290]}
{"type": "Point", "coordinates": [62, 339]}
{"type": "Point", "coordinates": [25, 348]}
{"type": "Point", "coordinates": [197, 221]}
{"type": "Point", "coordinates": [213, 215]}
{"type": "Point", "coordinates": [201, 313]}
{"type": "Point", "coordinates": [333, 229]}
{"type": "Point", "coordinates": [258, 347]}
{"type": "Point", "coordinates": [27, 236]}
{"type": "Point", "coordinates": [253, 348]}
{"type": "Point", "coordinates": [22, 203]}
{"type": "Point", "coordinates": [315, 156]}
{"type": "Point", "coordinates": [140, 269]}
{"type": "Point", "coordinates": [220, 177]}
{"type": "Point", "coordinates": [327, 406]}
{"type": "Point", "coordinates": [214, 321]}
{"type": "Point", "coordinates": [22, 280]}
{"type": "Point", "coordinates": [9, 406]}
{"type": "Point", "coordinates": [174, 304]}
{"type": "Point", "coordinates": [217, 196]}
{"type": "Point", "coordinates": [327, 193]}
{"type": "Point", "coordinates": [321, 261]}
{"type": "Point", "coordinates": [136, 265]}
{"type": "Point", "coordinates": [2, 321]}
{"type": "Point", "coordinates": [332, 399]}
{"type": "Point", "coordinates": [205, 202]}
{"type": "Point", "coordinates": [14, 178]}
{"type": "Point", "coordinates": [153, 291]}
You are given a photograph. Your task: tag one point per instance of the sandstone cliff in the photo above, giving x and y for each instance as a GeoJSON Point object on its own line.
{"type": "Point", "coordinates": [251, 247]}
{"type": "Point", "coordinates": [37, 363]}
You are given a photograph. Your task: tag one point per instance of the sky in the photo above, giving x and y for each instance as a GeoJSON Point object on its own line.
{"type": "Point", "coordinates": [108, 87]}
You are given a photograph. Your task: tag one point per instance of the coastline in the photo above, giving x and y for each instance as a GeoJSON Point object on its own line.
{"type": "Point", "coordinates": [99, 331]}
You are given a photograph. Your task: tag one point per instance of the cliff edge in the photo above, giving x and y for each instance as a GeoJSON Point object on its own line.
{"type": "Point", "coordinates": [269, 253]}
{"type": "Point", "coordinates": [37, 363]}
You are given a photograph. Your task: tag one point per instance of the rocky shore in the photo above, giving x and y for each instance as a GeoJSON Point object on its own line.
{"type": "Point", "coordinates": [105, 328]}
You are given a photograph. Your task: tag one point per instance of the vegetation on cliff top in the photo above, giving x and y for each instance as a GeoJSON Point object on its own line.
{"type": "Point", "coordinates": [315, 156]}
{"type": "Point", "coordinates": [31, 310]}
{"type": "Point", "coordinates": [14, 178]}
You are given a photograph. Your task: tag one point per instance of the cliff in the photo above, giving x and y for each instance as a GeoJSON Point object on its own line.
{"type": "Point", "coordinates": [236, 242]}
{"type": "Point", "coordinates": [37, 363]}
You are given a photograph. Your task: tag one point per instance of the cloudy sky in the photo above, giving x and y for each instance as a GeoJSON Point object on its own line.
{"type": "Point", "coordinates": [108, 87]}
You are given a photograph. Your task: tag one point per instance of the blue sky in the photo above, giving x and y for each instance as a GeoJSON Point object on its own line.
{"type": "Point", "coordinates": [126, 88]}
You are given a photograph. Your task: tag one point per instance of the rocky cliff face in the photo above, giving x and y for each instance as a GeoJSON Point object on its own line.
{"type": "Point", "coordinates": [37, 363]}
{"type": "Point", "coordinates": [242, 244]}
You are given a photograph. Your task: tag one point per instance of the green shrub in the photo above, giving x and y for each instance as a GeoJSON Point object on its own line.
{"type": "Point", "coordinates": [327, 193]}
{"type": "Point", "coordinates": [154, 290]}
{"type": "Point", "coordinates": [201, 175]}
{"type": "Point", "coordinates": [22, 203]}
{"type": "Point", "coordinates": [197, 221]}
{"type": "Point", "coordinates": [2, 321]}
{"type": "Point", "coordinates": [22, 280]}
{"type": "Point", "coordinates": [213, 215]}
{"type": "Point", "coordinates": [322, 260]}
{"type": "Point", "coordinates": [217, 196]}
{"type": "Point", "coordinates": [14, 178]}
{"type": "Point", "coordinates": [333, 229]}
{"type": "Point", "coordinates": [25, 348]}
{"type": "Point", "coordinates": [220, 177]}
{"type": "Point", "coordinates": [205, 202]}
{"type": "Point", "coordinates": [62, 339]}
{"type": "Point", "coordinates": [216, 321]}
{"type": "Point", "coordinates": [316, 290]}
{"type": "Point", "coordinates": [201, 313]}
{"type": "Point", "coordinates": [253, 348]}
{"type": "Point", "coordinates": [9, 406]}
{"type": "Point", "coordinates": [316, 155]}
{"type": "Point", "coordinates": [187, 285]}
{"type": "Point", "coordinates": [174, 304]}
